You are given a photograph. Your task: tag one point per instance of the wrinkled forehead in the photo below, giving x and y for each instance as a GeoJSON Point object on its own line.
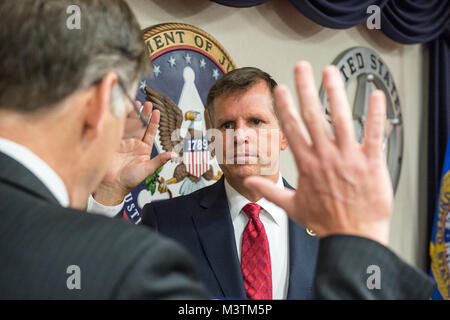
{"type": "Point", "coordinates": [257, 99]}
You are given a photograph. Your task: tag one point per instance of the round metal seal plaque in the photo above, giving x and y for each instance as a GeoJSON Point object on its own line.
{"type": "Point", "coordinates": [186, 62]}
{"type": "Point", "coordinates": [370, 71]}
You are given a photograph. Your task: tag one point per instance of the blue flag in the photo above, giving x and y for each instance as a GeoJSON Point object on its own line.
{"type": "Point", "coordinates": [440, 237]}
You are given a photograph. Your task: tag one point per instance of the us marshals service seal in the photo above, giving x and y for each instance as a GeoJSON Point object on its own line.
{"type": "Point", "coordinates": [440, 248]}
{"type": "Point", "coordinates": [370, 72]}
{"type": "Point", "coordinates": [187, 62]}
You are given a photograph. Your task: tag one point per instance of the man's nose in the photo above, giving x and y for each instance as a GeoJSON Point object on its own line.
{"type": "Point", "coordinates": [241, 135]}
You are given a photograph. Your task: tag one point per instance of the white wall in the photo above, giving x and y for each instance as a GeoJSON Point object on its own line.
{"type": "Point", "coordinates": [274, 36]}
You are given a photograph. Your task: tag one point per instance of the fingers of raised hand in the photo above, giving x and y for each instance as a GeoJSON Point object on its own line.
{"type": "Point", "coordinates": [284, 198]}
{"type": "Point", "coordinates": [374, 129]}
{"type": "Point", "coordinates": [153, 164]}
{"type": "Point", "coordinates": [293, 128]}
{"type": "Point", "coordinates": [150, 133]}
{"type": "Point", "coordinates": [310, 106]}
{"type": "Point", "coordinates": [146, 109]}
{"type": "Point", "coordinates": [341, 116]}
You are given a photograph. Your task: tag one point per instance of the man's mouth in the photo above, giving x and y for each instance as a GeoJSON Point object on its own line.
{"type": "Point", "coordinates": [245, 155]}
{"type": "Point", "coordinates": [242, 158]}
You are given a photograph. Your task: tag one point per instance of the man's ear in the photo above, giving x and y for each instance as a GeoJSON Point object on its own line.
{"type": "Point", "coordinates": [99, 105]}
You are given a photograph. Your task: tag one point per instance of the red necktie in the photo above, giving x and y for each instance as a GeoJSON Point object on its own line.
{"type": "Point", "coordinates": [255, 256]}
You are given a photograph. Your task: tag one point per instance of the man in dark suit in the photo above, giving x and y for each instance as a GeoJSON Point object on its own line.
{"type": "Point", "coordinates": [240, 109]}
{"type": "Point", "coordinates": [241, 112]}
{"type": "Point", "coordinates": [62, 116]}
{"type": "Point", "coordinates": [40, 241]}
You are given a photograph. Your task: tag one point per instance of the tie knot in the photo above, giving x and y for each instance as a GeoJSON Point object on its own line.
{"type": "Point", "coordinates": [252, 210]}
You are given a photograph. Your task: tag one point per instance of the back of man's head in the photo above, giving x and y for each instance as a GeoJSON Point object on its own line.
{"type": "Point", "coordinates": [61, 83]}
{"type": "Point", "coordinates": [45, 57]}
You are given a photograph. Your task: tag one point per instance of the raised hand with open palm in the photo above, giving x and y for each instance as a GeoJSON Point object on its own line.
{"type": "Point", "coordinates": [343, 187]}
{"type": "Point", "coordinates": [132, 163]}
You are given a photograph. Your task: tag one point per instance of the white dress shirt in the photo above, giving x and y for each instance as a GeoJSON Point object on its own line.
{"type": "Point", "coordinates": [38, 167]}
{"type": "Point", "coordinates": [275, 221]}
{"type": "Point", "coordinates": [98, 208]}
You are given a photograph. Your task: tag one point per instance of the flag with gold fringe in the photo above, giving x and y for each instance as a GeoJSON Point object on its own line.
{"type": "Point", "coordinates": [440, 237]}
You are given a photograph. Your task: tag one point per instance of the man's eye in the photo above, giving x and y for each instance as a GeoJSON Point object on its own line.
{"type": "Point", "coordinates": [227, 125]}
{"type": "Point", "coordinates": [256, 122]}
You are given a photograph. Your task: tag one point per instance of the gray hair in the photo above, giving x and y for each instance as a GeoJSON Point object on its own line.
{"type": "Point", "coordinates": [44, 61]}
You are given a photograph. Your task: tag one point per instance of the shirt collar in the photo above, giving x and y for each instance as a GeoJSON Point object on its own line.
{"type": "Point", "coordinates": [38, 167]}
{"type": "Point", "coordinates": [237, 201]}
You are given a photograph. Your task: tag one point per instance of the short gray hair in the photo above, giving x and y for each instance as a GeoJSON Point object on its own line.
{"type": "Point", "coordinates": [43, 61]}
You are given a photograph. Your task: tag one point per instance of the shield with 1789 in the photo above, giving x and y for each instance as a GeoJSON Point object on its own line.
{"type": "Point", "coordinates": [196, 155]}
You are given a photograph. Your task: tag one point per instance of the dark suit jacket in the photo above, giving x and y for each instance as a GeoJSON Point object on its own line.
{"type": "Point", "coordinates": [201, 222]}
{"type": "Point", "coordinates": [39, 240]}
{"type": "Point", "coordinates": [342, 272]}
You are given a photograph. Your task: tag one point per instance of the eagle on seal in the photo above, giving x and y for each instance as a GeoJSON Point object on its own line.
{"type": "Point", "coordinates": [171, 140]}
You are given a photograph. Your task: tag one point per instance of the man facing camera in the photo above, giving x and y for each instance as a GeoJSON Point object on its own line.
{"type": "Point", "coordinates": [243, 245]}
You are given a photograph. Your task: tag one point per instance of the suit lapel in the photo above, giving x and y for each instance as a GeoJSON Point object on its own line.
{"type": "Point", "coordinates": [302, 254]}
{"type": "Point", "coordinates": [302, 260]}
{"type": "Point", "coordinates": [16, 175]}
{"type": "Point", "coordinates": [215, 229]}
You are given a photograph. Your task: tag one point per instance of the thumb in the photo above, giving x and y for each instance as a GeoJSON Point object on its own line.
{"type": "Point", "coordinates": [153, 164]}
{"type": "Point", "coordinates": [282, 197]}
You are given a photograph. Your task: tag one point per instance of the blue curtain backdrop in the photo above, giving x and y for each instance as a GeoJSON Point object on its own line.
{"type": "Point", "coordinates": [406, 22]}
{"type": "Point", "coordinates": [336, 14]}
{"type": "Point", "coordinates": [240, 3]}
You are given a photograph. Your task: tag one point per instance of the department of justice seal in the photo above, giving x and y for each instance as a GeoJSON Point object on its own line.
{"type": "Point", "coordinates": [187, 62]}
